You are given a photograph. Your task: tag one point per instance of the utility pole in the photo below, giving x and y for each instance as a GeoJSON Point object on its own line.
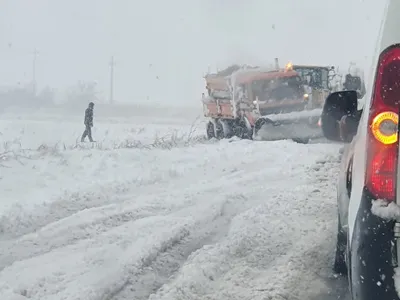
{"type": "Point", "coordinates": [112, 65]}
{"type": "Point", "coordinates": [34, 84]}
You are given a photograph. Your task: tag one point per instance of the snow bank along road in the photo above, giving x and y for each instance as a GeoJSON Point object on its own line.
{"type": "Point", "coordinates": [210, 220]}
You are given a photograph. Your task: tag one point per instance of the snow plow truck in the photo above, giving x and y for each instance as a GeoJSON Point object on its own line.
{"type": "Point", "coordinates": [266, 103]}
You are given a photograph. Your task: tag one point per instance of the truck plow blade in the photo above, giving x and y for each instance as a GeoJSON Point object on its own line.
{"type": "Point", "coordinates": [271, 132]}
{"type": "Point", "coordinates": [297, 126]}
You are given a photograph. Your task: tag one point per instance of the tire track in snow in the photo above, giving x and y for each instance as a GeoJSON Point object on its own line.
{"type": "Point", "coordinates": [170, 264]}
{"type": "Point", "coordinates": [300, 271]}
{"type": "Point", "coordinates": [163, 269]}
{"type": "Point", "coordinates": [138, 275]}
{"type": "Point", "coordinates": [68, 231]}
{"type": "Point", "coordinates": [83, 225]}
{"type": "Point", "coordinates": [159, 270]}
{"type": "Point", "coordinates": [69, 204]}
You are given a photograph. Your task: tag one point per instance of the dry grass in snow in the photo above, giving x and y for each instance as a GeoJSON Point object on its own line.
{"type": "Point", "coordinates": [13, 150]}
{"type": "Point", "coordinates": [132, 138]}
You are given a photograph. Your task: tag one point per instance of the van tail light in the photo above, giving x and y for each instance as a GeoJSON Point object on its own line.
{"type": "Point", "coordinates": [382, 147]}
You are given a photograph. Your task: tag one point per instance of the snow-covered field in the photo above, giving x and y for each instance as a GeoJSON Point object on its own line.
{"type": "Point", "coordinates": [177, 219]}
{"type": "Point", "coordinates": [112, 126]}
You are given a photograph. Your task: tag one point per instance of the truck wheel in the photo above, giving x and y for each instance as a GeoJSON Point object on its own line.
{"type": "Point", "coordinates": [224, 130]}
{"type": "Point", "coordinates": [219, 131]}
{"type": "Point", "coordinates": [210, 130]}
{"type": "Point", "coordinates": [241, 131]}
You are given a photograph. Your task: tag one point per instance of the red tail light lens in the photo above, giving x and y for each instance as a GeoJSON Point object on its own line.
{"type": "Point", "coordinates": [383, 127]}
{"type": "Point", "coordinates": [382, 179]}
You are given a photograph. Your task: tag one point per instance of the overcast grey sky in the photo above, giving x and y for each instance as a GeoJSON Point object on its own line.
{"type": "Point", "coordinates": [162, 48]}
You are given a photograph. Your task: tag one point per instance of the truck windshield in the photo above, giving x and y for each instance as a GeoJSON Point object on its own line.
{"type": "Point", "coordinates": [277, 88]}
{"type": "Point", "coordinates": [314, 77]}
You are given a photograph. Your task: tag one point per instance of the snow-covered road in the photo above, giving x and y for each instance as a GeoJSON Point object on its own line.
{"type": "Point", "coordinates": [220, 220]}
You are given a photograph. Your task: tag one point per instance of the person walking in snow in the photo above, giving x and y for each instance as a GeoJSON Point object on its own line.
{"type": "Point", "coordinates": [88, 121]}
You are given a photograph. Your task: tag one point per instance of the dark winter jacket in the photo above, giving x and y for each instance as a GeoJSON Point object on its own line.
{"type": "Point", "coordinates": [88, 117]}
{"type": "Point", "coordinates": [352, 83]}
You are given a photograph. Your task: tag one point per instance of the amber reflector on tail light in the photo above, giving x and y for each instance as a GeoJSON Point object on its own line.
{"type": "Point", "coordinates": [384, 127]}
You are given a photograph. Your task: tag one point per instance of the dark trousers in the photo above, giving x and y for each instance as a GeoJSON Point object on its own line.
{"type": "Point", "coordinates": [87, 132]}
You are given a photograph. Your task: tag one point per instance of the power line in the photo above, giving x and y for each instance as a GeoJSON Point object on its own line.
{"type": "Point", "coordinates": [112, 65]}
{"type": "Point", "coordinates": [34, 84]}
